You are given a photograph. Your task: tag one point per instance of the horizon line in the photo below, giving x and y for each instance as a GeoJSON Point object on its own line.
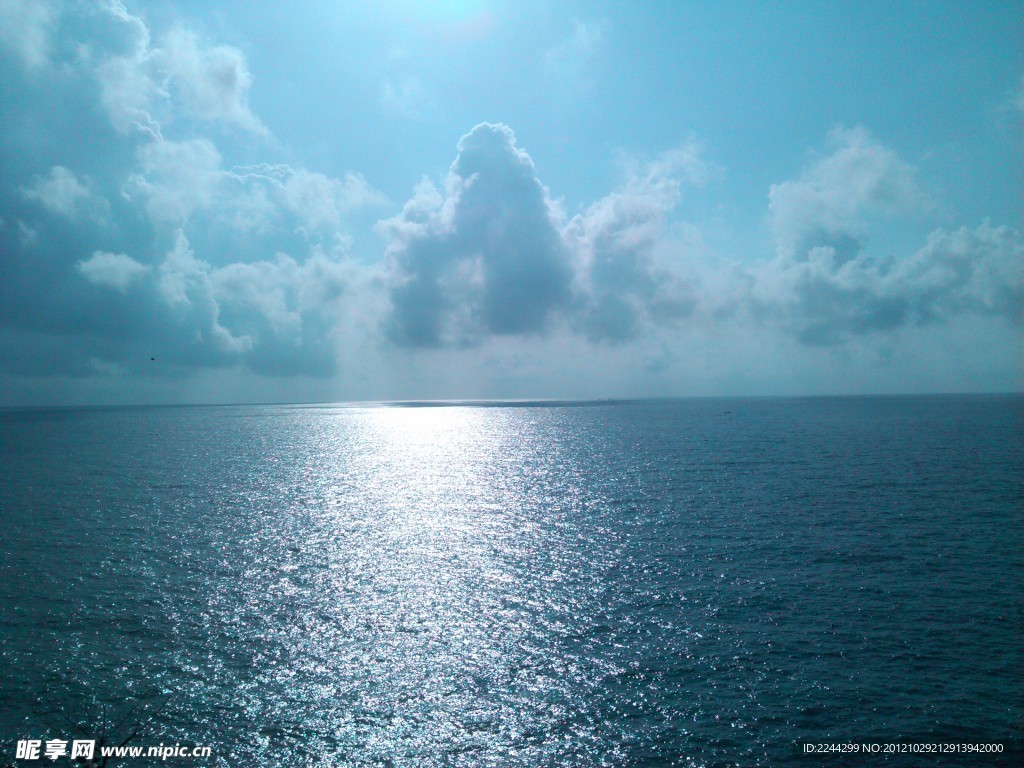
{"type": "Point", "coordinates": [537, 402]}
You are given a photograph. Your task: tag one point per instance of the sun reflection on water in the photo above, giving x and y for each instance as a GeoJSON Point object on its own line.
{"type": "Point", "coordinates": [404, 601]}
{"type": "Point", "coordinates": [324, 586]}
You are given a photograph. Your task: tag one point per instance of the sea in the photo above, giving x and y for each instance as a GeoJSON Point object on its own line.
{"type": "Point", "coordinates": [827, 581]}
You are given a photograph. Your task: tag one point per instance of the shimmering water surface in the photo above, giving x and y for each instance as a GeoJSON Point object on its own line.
{"type": "Point", "coordinates": [694, 582]}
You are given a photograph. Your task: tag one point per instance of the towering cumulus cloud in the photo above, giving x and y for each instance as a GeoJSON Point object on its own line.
{"type": "Point", "coordinates": [493, 255]}
{"type": "Point", "coordinates": [484, 257]}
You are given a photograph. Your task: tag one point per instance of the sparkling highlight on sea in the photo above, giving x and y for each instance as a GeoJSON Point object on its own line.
{"type": "Point", "coordinates": [707, 582]}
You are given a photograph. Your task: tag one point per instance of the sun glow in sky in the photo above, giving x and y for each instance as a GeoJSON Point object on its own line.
{"type": "Point", "coordinates": [475, 199]}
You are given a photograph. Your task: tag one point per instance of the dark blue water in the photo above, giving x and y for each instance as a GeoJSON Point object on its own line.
{"type": "Point", "coordinates": [695, 582]}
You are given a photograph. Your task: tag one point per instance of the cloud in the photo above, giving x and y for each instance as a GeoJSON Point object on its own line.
{"type": "Point", "coordinates": [322, 201]}
{"type": "Point", "coordinates": [60, 193]}
{"type": "Point", "coordinates": [977, 270]}
{"type": "Point", "coordinates": [172, 239]}
{"type": "Point", "coordinates": [122, 61]}
{"type": "Point", "coordinates": [113, 270]}
{"type": "Point", "coordinates": [486, 257]}
{"type": "Point", "coordinates": [491, 255]}
{"type": "Point", "coordinates": [278, 316]}
{"type": "Point", "coordinates": [177, 178]}
{"type": "Point", "coordinates": [629, 270]}
{"type": "Point", "coordinates": [293, 311]}
{"type": "Point", "coordinates": [826, 284]}
{"type": "Point", "coordinates": [836, 197]}
{"type": "Point", "coordinates": [186, 286]}
{"type": "Point", "coordinates": [144, 86]}
{"type": "Point", "coordinates": [242, 267]}
{"type": "Point", "coordinates": [24, 30]}
{"type": "Point", "coordinates": [212, 82]}
{"type": "Point", "coordinates": [825, 299]}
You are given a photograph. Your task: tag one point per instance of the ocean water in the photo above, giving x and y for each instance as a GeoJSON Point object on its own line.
{"type": "Point", "coordinates": [709, 582]}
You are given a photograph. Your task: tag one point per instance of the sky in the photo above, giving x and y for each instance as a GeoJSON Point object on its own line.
{"type": "Point", "coordinates": [463, 199]}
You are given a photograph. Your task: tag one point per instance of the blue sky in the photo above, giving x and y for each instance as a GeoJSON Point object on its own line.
{"type": "Point", "coordinates": [469, 199]}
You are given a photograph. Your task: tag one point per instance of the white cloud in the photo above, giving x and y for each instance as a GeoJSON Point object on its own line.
{"type": "Point", "coordinates": [322, 201]}
{"type": "Point", "coordinates": [319, 203]}
{"type": "Point", "coordinates": [285, 293]}
{"type": "Point", "coordinates": [143, 86]}
{"type": "Point", "coordinates": [280, 316]}
{"type": "Point", "coordinates": [467, 261]}
{"type": "Point", "coordinates": [969, 270]}
{"type": "Point", "coordinates": [25, 29]}
{"type": "Point", "coordinates": [213, 83]}
{"type": "Point", "coordinates": [61, 192]}
{"type": "Point", "coordinates": [127, 93]}
{"type": "Point", "coordinates": [629, 270]}
{"type": "Point", "coordinates": [483, 264]}
{"type": "Point", "coordinates": [836, 197]}
{"type": "Point", "coordinates": [826, 299]}
{"type": "Point", "coordinates": [112, 270]}
{"type": "Point", "coordinates": [267, 287]}
{"type": "Point", "coordinates": [185, 285]}
{"type": "Point", "coordinates": [492, 254]}
{"type": "Point", "coordinates": [827, 285]}
{"type": "Point", "coordinates": [177, 178]}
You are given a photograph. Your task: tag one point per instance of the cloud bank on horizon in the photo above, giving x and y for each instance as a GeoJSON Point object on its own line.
{"type": "Point", "coordinates": [160, 241]}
